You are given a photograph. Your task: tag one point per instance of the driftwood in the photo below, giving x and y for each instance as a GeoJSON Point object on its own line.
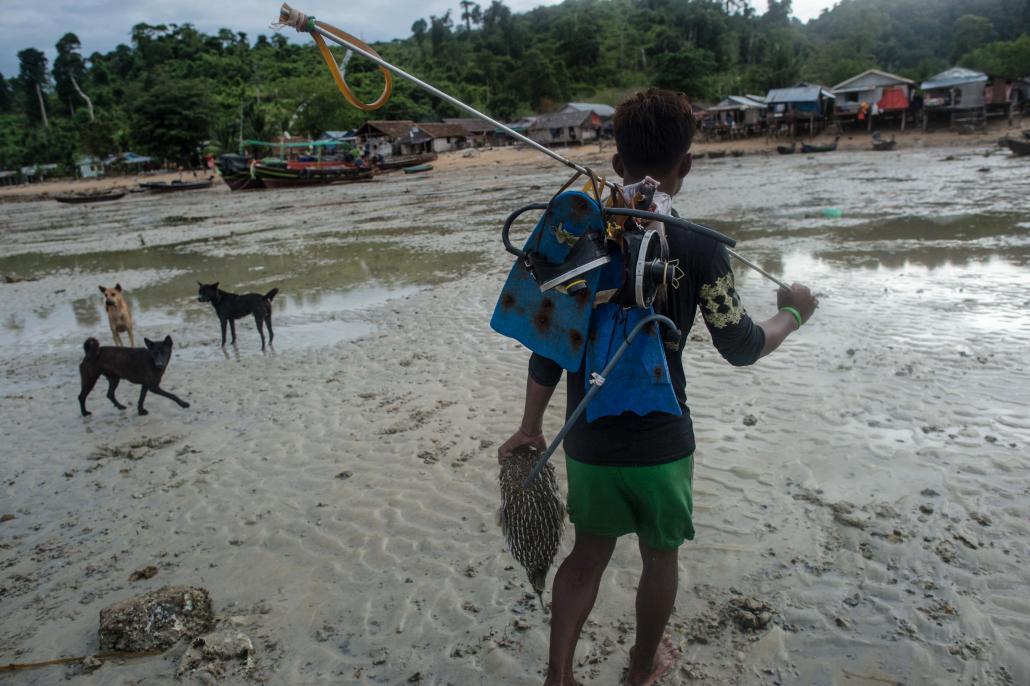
{"type": "Point", "coordinates": [20, 666]}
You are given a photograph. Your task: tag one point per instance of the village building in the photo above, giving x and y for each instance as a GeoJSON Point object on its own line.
{"type": "Point", "coordinates": [568, 128]}
{"type": "Point", "coordinates": [393, 138]}
{"type": "Point", "coordinates": [10, 178]}
{"type": "Point", "coordinates": [804, 106]}
{"type": "Point", "coordinates": [873, 95]}
{"type": "Point", "coordinates": [89, 167]}
{"type": "Point", "coordinates": [957, 96]}
{"type": "Point", "coordinates": [480, 132]}
{"type": "Point", "coordinates": [605, 112]}
{"type": "Point", "coordinates": [445, 137]}
{"type": "Point", "coordinates": [735, 116]}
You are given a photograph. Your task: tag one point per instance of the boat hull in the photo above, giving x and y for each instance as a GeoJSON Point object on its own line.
{"type": "Point", "coordinates": [395, 163]}
{"type": "Point", "coordinates": [76, 199]}
{"type": "Point", "coordinates": [277, 177]}
{"type": "Point", "coordinates": [175, 187]}
{"type": "Point", "coordinates": [1019, 147]}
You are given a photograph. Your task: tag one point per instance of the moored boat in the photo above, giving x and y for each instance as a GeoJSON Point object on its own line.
{"type": "Point", "coordinates": [79, 198]}
{"type": "Point", "coordinates": [883, 146]}
{"type": "Point", "coordinates": [163, 187]}
{"type": "Point", "coordinates": [237, 172]}
{"type": "Point", "coordinates": [1019, 147]}
{"type": "Point", "coordinates": [417, 168]}
{"type": "Point", "coordinates": [401, 161]}
{"type": "Point", "coordinates": [281, 175]}
{"type": "Point", "coordinates": [716, 154]}
{"type": "Point", "coordinates": [809, 148]}
{"type": "Point", "coordinates": [786, 149]}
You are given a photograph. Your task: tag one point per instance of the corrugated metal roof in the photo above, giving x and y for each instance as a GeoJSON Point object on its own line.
{"type": "Point", "coordinates": [953, 77]}
{"type": "Point", "coordinates": [444, 130]}
{"type": "Point", "coordinates": [471, 124]}
{"type": "Point", "coordinates": [738, 102]}
{"type": "Point", "coordinates": [802, 92]}
{"type": "Point", "coordinates": [392, 129]}
{"type": "Point", "coordinates": [557, 121]}
{"type": "Point", "coordinates": [599, 108]}
{"type": "Point", "coordinates": [869, 79]}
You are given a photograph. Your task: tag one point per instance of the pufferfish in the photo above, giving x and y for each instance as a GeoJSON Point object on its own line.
{"type": "Point", "coordinates": [531, 519]}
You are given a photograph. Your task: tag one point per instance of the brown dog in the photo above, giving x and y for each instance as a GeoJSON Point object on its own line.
{"type": "Point", "coordinates": [118, 314]}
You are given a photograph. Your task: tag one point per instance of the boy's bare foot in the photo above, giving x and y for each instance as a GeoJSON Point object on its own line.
{"type": "Point", "coordinates": [647, 675]}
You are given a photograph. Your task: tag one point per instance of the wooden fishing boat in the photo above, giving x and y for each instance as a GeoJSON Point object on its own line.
{"type": "Point", "coordinates": [175, 186]}
{"type": "Point", "coordinates": [1019, 147]}
{"type": "Point", "coordinates": [417, 168]}
{"type": "Point", "coordinates": [1026, 133]}
{"type": "Point", "coordinates": [79, 198]}
{"type": "Point", "coordinates": [236, 171]}
{"type": "Point", "coordinates": [883, 146]}
{"type": "Point", "coordinates": [280, 175]}
{"type": "Point", "coordinates": [399, 162]}
{"type": "Point", "coordinates": [737, 153]}
{"type": "Point", "coordinates": [716, 154]}
{"type": "Point", "coordinates": [786, 149]}
{"type": "Point", "coordinates": [809, 148]}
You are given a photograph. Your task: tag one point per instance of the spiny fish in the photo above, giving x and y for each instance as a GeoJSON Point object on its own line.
{"type": "Point", "coordinates": [532, 519]}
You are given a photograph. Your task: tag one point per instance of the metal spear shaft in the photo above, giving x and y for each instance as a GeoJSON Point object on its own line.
{"type": "Point", "coordinates": [508, 130]}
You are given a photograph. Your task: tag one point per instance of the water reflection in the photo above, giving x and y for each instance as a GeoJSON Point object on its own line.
{"type": "Point", "coordinates": [318, 281]}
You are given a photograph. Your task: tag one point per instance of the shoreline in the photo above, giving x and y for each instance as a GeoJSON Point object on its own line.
{"type": "Point", "coordinates": [520, 155]}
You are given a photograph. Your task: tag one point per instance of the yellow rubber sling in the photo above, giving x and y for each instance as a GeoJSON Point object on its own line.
{"type": "Point", "coordinates": [302, 22]}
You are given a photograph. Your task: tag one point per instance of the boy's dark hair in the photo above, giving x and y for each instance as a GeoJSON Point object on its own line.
{"type": "Point", "coordinates": [653, 130]}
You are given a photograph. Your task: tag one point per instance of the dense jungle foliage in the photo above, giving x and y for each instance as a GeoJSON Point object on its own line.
{"type": "Point", "coordinates": [173, 90]}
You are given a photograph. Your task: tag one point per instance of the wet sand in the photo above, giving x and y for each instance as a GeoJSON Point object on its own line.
{"type": "Point", "coordinates": [866, 485]}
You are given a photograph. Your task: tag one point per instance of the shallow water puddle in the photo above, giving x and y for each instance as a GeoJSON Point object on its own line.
{"type": "Point", "coordinates": [321, 285]}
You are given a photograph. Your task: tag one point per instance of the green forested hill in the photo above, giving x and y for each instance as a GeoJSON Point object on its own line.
{"type": "Point", "coordinates": [172, 88]}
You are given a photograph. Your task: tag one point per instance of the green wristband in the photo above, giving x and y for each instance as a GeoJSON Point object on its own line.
{"type": "Point", "coordinates": [793, 313]}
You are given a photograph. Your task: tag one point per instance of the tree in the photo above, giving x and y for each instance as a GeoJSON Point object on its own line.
{"type": "Point", "coordinates": [687, 70]}
{"type": "Point", "coordinates": [32, 75]}
{"type": "Point", "coordinates": [418, 31]}
{"type": "Point", "coordinates": [779, 12]}
{"type": "Point", "coordinates": [173, 120]}
{"type": "Point", "coordinates": [6, 97]}
{"type": "Point", "coordinates": [1004, 58]}
{"type": "Point", "coordinates": [69, 70]}
{"type": "Point", "coordinates": [970, 32]}
{"type": "Point", "coordinates": [440, 32]}
{"type": "Point", "coordinates": [471, 13]}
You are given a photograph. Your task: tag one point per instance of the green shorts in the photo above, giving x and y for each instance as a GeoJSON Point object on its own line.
{"type": "Point", "coordinates": [655, 502]}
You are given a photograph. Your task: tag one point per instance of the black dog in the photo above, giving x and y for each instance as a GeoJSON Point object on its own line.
{"type": "Point", "coordinates": [230, 307]}
{"type": "Point", "coordinates": [144, 366]}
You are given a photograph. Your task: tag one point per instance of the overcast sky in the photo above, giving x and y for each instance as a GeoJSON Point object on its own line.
{"type": "Point", "coordinates": [103, 24]}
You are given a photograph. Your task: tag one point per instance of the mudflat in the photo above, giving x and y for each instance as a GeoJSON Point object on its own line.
{"type": "Point", "coordinates": [861, 495]}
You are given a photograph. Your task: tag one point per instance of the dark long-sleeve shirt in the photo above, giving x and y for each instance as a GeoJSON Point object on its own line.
{"type": "Point", "coordinates": [629, 439]}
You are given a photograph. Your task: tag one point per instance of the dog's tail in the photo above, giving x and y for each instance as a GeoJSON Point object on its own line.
{"type": "Point", "coordinates": [271, 294]}
{"type": "Point", "coordinates": [91, 346]}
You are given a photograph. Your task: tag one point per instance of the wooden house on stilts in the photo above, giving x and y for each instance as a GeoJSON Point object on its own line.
{"type": "Point", "coordinates": [956, 95]}
{"type": "Point", "coordinates": [873, 96]}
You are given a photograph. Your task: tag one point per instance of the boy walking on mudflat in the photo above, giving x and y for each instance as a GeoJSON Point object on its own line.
{"type": "Point", "coordinates": [630, 473]}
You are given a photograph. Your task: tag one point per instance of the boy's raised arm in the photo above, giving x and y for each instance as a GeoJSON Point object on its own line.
{"type": "Point", "coordinates": [543, 376]}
